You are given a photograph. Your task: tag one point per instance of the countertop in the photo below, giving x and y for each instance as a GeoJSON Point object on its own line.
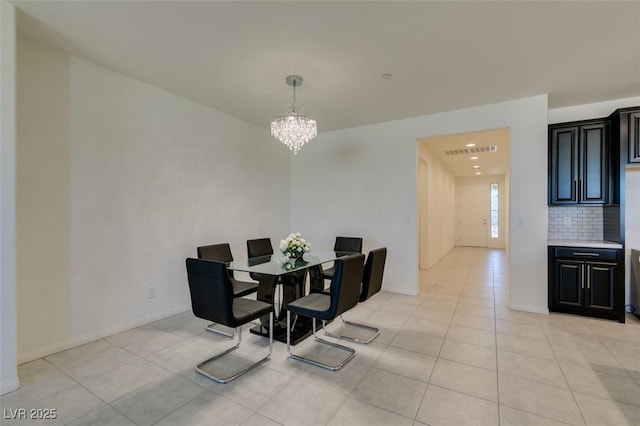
{"type": "Point", "coordinates": [583, 243]}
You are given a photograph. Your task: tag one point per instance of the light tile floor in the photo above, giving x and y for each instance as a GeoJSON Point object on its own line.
{"type": "Point", "coordinates": [454, 355]}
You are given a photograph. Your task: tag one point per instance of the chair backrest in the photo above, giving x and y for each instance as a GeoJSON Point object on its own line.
{"type": "Point", "coordinates": [345, 284]}
{"type": "Point", "coordinates": [348, 244]}
{"type": "Point", "coordinates": [211, 290]}
{"type": "Point", "coordinates": [217, 252]}
{"type": "Point", "coordinates": [259, 247]}
{"type": "Point", "coordinates": [373, 272]}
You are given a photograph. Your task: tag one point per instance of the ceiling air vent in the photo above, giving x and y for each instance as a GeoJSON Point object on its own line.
{"type": "Point", "coordinates": [492, 148]}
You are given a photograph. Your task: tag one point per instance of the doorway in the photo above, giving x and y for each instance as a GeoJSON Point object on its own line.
{"type": "Point", "coordinates": [423, 184]}
{"type": "Point", "coordinates": [451, 169]}
{"type": "Point", "coordinates": [473, 211]}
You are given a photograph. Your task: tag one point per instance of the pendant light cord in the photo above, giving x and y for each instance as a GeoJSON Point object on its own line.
{"type": "Point", "coordinates": [293, 107]}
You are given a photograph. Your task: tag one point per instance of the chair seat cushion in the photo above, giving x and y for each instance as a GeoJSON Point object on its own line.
{"type": "Point", "coordinates": [243, 288]}
{"type": "Point", "coordinates": [245, 310]}
{"type": "Point", "coordinates": [315, 305]}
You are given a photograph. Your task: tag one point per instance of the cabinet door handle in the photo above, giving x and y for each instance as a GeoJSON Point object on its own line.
{"type": "Point", "coordinates": [579, 253]}
{"type": "Point", "coordinates": [582, 275]}
{"type": "Point", "coordinates": [581, 195]}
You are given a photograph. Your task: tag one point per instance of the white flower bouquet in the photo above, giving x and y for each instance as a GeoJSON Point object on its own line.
{"type": "Point", "coordinates": [294, 246]}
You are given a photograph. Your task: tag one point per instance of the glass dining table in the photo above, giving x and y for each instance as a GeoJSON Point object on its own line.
{"type": "Point", "coordinates": [277, 269]}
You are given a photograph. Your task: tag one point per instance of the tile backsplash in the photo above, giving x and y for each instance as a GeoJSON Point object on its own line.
{"type": "Point", "coordinates": [576, 223]}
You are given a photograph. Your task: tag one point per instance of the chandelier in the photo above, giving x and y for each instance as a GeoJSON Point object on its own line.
{"type": "Point", "coordinates": [294, 129]}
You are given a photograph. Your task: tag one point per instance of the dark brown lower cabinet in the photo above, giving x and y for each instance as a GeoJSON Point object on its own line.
{"type": "Point", "coordinates": [586, 281]}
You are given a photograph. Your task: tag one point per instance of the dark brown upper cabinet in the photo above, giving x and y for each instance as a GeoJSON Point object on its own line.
{"type": "Point", "coordinates": [634, 136]}
{"type": "Point", "coordinates": [579, 162]}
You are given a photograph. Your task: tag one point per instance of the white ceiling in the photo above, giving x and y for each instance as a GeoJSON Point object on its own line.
{"type": "Point", "coordinates": [234, 56]}
{"type": "Point", "coordinates": [461, 157]}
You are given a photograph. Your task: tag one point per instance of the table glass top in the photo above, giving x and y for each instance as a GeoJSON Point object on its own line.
{"type": "Point", "coordinates": [278, 264]}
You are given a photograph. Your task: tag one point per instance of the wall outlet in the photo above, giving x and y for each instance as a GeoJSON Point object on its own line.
{"type": "Point", "coordinates": [151, 293]}
{"type": "Point", "coordinates": [567, 220]}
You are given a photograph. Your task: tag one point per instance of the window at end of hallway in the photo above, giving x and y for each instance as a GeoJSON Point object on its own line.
{"type": "Point", "coordinates": [494, 210]}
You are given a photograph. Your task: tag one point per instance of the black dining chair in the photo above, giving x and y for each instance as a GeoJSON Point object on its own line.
{"type": "Point", "coordinates": [344, 294]}
{"type": "Point", "coordinates": [343, 246]}
{"type": "Point", "coordinates": [371, 284]}
{"type": "Point", "coordinates": [222, 253]}
{"type": "Point", "coordinates": [212, 299]}
{"type": "Point", "coordinates": [258, 247]}
{"type": "Point", "coordinates": [262, 248]}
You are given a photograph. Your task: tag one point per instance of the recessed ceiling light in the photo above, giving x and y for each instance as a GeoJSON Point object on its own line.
{"type": "Point", "coordinates": [474, 158]}
{"type": "Point", "coordinates": [478, 173]}
{"type": "Point", "coordinates": [470, 145]}
{"type": "Point", "coordinates": [475, 167]}
{"type": "Point", "coordinates": [386, 76]}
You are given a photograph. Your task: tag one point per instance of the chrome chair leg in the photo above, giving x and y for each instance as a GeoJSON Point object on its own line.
{"type": "Point", "coordinates": [220, 329]}
{"type": "Point", "coordinates": [223, 330]}
{"type": "Point", "coordinates": [374, 332]}
{"type": "Point", "coordinates": [200, 368]}
{"type": "Point", "coordinates": [314, 361]}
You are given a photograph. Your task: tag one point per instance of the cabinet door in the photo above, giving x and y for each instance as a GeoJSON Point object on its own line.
{"type": "Point", "coordinates": [593, 165]}
{"type": "Point", "coordinates": [563, 165]}
{"type": "Point", "coordinates": [569, 283]}
{"type": "Point", "coordinates": [634, 137]}
{"type": "Point", "coordinates": [600, 279]}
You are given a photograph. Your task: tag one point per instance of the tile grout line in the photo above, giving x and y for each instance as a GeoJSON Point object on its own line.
{"type": "Point", "coordinates": [92, 393]}
{"type": "Point", "coordinates": [440, 349]}
{"type": "Point", "coordinates": [555, 356]}
{"type": "Point", "coordinates": [424, 393]}
{"type": "Point", "coordinates": [495, 335]}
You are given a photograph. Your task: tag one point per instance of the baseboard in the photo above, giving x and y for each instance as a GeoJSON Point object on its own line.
{"type": "Point", "coordinates": [532, 309]}
{"type": "Point", "coordinates": [9, 386]}
{"type": "Point", "coordinates": [99, 334]}
{"type": "Point", "coordinates": [396, 291]}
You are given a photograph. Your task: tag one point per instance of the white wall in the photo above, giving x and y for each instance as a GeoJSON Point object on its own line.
{"type": "Point", "coordinates": [589, 111]}
{"type": "Point", "coordinates": [632, 207]}
{"type": "Point", "coordinates": [438, 226]}
{"type": "Point", "coordinates": [632, 221]}
{"type": "Point", "coordinates": [8, 342]}
{"type": "Point", "coordinates": [118, 182]}
{"type": "Point", "coordinates": [363, 181]}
